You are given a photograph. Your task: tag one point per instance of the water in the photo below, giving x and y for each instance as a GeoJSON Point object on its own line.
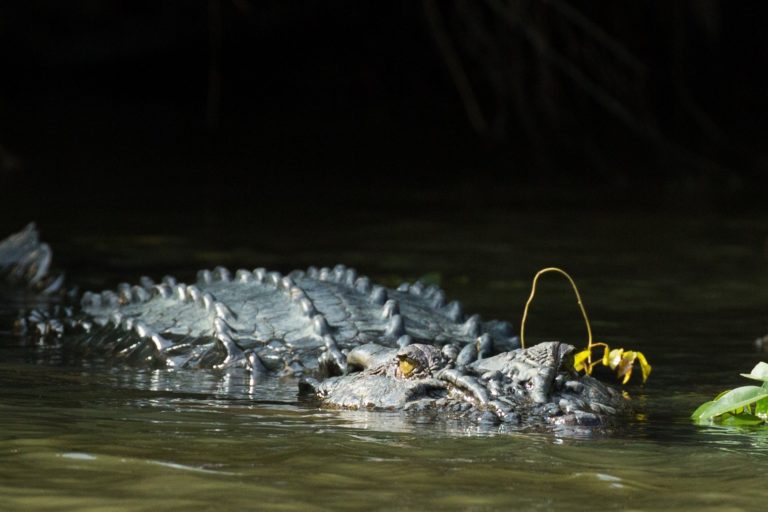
{"type": "Point", "coordinates": [690, 292]}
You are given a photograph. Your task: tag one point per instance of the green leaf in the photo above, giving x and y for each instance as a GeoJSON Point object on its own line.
{"type": "Point", "coordinates": [722, 394]}
{"type": "Point", "coordinates": [761, 409]}
{"type": "Point", "coordinates": [742, 419]}
{"type": "Point", "coordinates": [733, 400]}
{"type": "Point", "coordinates": [759, 372]}
{"type": "Point", "coordinates": [703, 407]}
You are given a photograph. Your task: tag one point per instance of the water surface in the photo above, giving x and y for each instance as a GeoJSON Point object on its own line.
{"type": "Point", "coordinates": [690, 292]}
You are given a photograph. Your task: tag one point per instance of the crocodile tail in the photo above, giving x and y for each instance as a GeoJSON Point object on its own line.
{"type": "Point", "coordinates": [26, 262]}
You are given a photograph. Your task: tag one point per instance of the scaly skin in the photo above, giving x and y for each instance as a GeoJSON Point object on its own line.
{"type": "Point", "coordinates": [26, 262]}
{"type": "Point", "coordinates": [401, 348]}
{"type": "Point", "coordinates": [529, 386]}
{"type": "Point", "coordinates": [301, 322]}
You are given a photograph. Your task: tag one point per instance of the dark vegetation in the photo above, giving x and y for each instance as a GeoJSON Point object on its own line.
{"type": "Point", "coordinates": [241, 104]}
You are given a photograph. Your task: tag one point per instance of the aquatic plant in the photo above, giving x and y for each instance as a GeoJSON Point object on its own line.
{"type": "Point", "coordinates": [745, 405]}
{"type": "Point", "coordinates": [617, 359]}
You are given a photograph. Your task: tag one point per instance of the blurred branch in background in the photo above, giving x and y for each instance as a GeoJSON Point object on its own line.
{"type": "Point", "coordinates": [522, 94]}
{"type": "Point", "coordinates": [553, 73]}
{"type": "Point", "coordinates": [215, 28]}
{"type": "Point", "coordinates": [455, 67]}
{"type": "Point", "coordinates": [10, 164]}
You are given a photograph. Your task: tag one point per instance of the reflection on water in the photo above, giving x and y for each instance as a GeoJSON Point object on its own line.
{"type": "Point", "coordinates": [690, 293]}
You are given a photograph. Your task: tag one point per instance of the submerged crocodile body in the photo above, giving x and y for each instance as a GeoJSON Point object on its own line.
{"type": "Point", "coordinates": [356, 344]}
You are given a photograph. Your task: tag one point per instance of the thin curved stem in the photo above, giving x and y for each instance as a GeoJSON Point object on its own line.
{"type": "Point", "coordinates": [578, 300]}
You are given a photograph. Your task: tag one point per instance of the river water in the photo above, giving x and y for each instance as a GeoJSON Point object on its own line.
{"type": "Point", "coordinates": [691, 292]}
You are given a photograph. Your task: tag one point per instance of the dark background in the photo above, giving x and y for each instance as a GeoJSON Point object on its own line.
{"type": "Point", "coordinates": [231, 106]}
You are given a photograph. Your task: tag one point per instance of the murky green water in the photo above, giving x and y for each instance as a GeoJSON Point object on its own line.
{"type": "Point", "coordinates": [690, 292]}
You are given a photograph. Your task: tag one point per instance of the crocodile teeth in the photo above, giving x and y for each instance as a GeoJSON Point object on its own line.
{"type": "Point", "coordinates": [169, 280]}
{"type": "Point", "coordinates": [417, 288]}
{"type": "Point", "coordinates": [403, 287]}
{"type": "Point", "coordinates": [146, 282]}
{"type": "Point", "coordinates": [325, 274]}
{"type": "Point", "coordinates": [286, 283]}
{"type": "Point", "coordinates": [313, 273]}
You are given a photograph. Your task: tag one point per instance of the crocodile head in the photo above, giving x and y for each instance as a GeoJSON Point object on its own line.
{"type": "Point", "coordinates": [529, 386]}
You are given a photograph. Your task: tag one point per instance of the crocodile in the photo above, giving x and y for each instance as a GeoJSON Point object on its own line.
{"type": "Point", "coordinates": [351, 343]}
{"type": "Point", "coordinates": [533, 386]}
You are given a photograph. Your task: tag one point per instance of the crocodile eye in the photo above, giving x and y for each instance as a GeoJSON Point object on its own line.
{"type": "Point", "coordinates": [407, 366]}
